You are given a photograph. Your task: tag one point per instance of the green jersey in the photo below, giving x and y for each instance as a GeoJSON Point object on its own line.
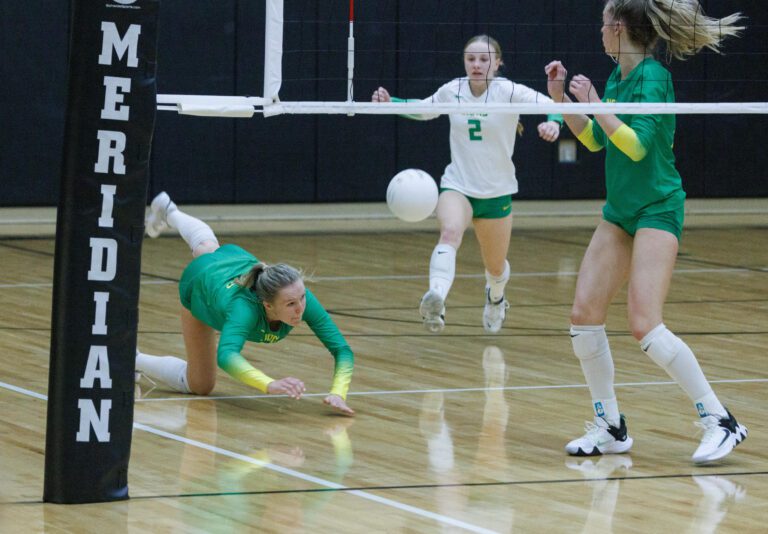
{"type": "Point", "coordinates": [651, 185]}
{"type": "Point", "coordinates": [209, 290]}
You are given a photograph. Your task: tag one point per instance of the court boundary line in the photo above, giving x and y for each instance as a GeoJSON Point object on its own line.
{"type": "Point", "coordinates": [188, 398]}
{"type": "Point", "coordinates": [327, 484]}
{"type": "Point", "coordinates": [450, 390]}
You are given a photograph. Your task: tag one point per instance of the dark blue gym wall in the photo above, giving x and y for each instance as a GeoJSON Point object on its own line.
{"type": "Point", "coordinates": [216, 47]}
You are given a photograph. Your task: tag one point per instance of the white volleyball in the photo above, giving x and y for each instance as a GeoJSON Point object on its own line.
{"type": "Point", "coordinates": [412, 195]}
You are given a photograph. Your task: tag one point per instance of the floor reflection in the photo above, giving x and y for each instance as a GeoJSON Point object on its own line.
{"type": "Point", "coordinates": [718, 494]}
{"type": "Point", "coordinates": [490, 455]}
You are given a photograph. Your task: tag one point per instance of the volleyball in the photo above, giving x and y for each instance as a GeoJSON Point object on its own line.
{"type": "Point", "coordinates": [412, 195]}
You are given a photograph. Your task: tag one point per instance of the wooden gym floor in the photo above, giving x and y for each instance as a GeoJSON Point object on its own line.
{"type": "Point", "coordinates": [458, 432]}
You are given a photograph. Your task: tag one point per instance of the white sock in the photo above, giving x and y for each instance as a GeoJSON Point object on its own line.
{"type": "Point", "coordinates": [590, 344]}
{"type": "Point", "coordinates": [676, 358]}
{"type": "Point", "coordinates": [442, 269]}
{"type": "Point", "coordinates": [496, 284]}
{"type": "Point", "coordinates": [168, 370]}
{"type": "Point", "coordinates": [192, 230]}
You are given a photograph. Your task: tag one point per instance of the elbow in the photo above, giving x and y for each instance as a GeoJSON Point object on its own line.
{"type": "Point", "coordinates": [638, 155]}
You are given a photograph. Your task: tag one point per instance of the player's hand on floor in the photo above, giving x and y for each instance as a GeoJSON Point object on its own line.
{"type": "Point", "coordinates": [293, 387]}
{"type": "Point", "coordinates": [339, 404]}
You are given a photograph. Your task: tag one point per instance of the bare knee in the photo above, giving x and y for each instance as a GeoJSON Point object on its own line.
{"type": "Point", "coordinates": [201, 387]}
{"type": "Point", "coordinates": [451, 235]}
{"type": "Point", "coordinates": [583, 314]}
{"type": "Point", "coordinates": [640, 325]}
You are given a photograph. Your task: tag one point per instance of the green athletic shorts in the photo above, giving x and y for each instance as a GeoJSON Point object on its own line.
{"type": "Point", "coordinates": [200, 264]}
{"type": "Point", "coordinates": [488, 208]}
{"type": "Point", "coordinates": [669, 221]}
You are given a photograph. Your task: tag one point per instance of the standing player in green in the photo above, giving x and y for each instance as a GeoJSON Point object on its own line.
{"type": "Point", "coordinates": [228, 290]}
{"type": "Point", "coordinates": [478, 184]}
{"type": "Point", "coordinates": [642, 218]}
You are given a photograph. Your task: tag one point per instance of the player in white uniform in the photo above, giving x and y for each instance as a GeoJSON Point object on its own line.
{"type": "Point", "coordinates": [478, 184]}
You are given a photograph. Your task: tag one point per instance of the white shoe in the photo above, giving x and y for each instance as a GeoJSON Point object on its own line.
{"type": "Point", "coordinates": [432, 309]}
{"type": "Point", "coordinates": [601, 438]}
{"type": "Point", "coordinates": [721, 435]}
{"type": "Point", "coordinates": [494, 313]}
{"type": "Point", "coordinates": [158, 213]}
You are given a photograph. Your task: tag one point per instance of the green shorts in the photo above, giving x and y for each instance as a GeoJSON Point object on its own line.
{"type": "Point", "coordinates": [200, 264]}
{"type": "Point", "coordinates": [488, 208]}
{"type": "Point", "coordinates": [669, 221]}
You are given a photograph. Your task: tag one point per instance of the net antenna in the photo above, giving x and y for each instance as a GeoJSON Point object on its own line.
{"type": "Point", "coordinates": [351, 55]}
{"type": "Point", "coordinates": [270, 104]}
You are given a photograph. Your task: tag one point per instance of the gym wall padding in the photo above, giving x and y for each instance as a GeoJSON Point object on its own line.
{"type": "Point", "coordinates": [217, 48]}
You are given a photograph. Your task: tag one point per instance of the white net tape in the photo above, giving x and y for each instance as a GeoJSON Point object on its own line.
{"type": "Point", "coordinates": [237, 106]}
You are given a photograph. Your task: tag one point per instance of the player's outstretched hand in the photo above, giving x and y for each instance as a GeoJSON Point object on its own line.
{"type": "Point", "coordinates": [339, 404]}
{"type": "Point", "coordinates": [556, 75]}
{"type": "Point", "coordinates": [293, 387]}
{"type": "Point", "coordinates": [549, 131]}
{"type": "Point", "coordinates": [381, 95]}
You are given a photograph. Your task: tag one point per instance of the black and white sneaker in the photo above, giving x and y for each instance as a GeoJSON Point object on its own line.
{"type": "Point", "coordinates": [601, 438]}
{"type": "Point", "coordinates": [721, 435]}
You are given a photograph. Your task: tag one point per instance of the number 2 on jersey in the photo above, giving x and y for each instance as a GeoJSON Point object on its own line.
{"type": "Point", "coordinates": [474, 130]}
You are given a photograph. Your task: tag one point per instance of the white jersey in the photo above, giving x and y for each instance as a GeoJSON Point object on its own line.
{"type": "Point", "coordinates": [482, 144]}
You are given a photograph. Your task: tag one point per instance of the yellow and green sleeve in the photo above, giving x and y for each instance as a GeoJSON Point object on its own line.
{"type": "Point", "coordinates": [626, 140]}
{"type": "Point", "coordinates": [238, 368]}
{"type": "Point", "coordinates": [588, 139]}
{"type": "Point", "coordinates": [328, 333]}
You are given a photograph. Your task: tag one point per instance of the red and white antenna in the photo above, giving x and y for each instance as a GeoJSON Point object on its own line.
{"type": "Point", "coordinates": [351, 53]}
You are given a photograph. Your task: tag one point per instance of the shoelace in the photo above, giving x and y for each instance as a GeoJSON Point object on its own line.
{"type": "Point", "coordinates": [593, 431]}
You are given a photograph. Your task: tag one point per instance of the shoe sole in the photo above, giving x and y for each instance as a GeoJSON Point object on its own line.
{"type": "Point", "coordinates": [431, 309]}
{"type": "Point", "coordinates": [618, 447]}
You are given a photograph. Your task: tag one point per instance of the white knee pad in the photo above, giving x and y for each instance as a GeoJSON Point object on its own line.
{"type": "Point", "coordinates": [662, 346]}
{"type": "Point", "coordinates": [589, 341]}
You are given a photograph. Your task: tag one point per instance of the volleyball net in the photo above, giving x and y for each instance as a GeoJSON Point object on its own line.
{"type": "Point", "coordinates": [319, 57]}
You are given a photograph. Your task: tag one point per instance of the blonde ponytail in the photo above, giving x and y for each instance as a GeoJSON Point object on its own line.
{"type": "Point", "coordinates": [267, 280]}
{"type": "Point", "coordinates": [681, 24]}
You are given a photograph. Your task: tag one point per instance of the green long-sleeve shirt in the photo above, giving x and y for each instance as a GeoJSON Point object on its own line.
{"type": "Point", "coordinates": [652, 184]}
{"type": "Point", "coordinates": [208, 289]}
